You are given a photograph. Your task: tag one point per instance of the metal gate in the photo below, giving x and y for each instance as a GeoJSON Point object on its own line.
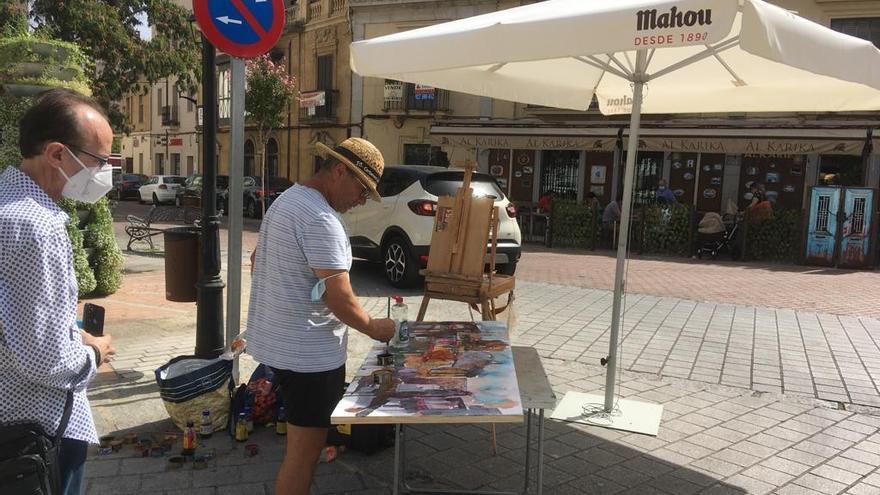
{"type": "Point", "coordinates": [559, 173]}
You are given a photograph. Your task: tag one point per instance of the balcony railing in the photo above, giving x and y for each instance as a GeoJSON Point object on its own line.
{"type": "Point", "coordinates": [417, 98]}
{"type": "Point", "coordinates": [170, 116]}
{"type": "Point", "coordinates": [337, 6]}
{"type": "Point", "coordinates": [318, 106]}
{"type": "Point", "coordinates": [315, 9]}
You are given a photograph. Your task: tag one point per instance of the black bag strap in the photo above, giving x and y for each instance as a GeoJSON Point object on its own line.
{"type": "Point", "coordinates": [65, 418]}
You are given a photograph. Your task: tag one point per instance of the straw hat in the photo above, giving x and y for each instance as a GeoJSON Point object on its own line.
{"type": "Point", "coordinates": [362, 158]}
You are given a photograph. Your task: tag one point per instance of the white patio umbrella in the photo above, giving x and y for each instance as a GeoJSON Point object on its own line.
{"type": "Point", "coordinates": [651, 56]}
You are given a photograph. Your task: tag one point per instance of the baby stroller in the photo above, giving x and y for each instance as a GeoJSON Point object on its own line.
{"type": "Point", "coordinates": [717, 233]}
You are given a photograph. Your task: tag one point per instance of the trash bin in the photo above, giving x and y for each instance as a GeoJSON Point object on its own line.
{"type": "Point", "coordinates": [181, 263]}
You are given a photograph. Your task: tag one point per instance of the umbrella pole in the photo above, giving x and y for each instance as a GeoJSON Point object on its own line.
{"type": "Point", "coordinates": [622, 414]}
{"type": "Point", "coordinates": [623, 238]}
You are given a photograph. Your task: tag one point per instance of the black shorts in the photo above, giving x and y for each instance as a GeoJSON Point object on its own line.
{"type": "Point", "coordinates": [309, 398]}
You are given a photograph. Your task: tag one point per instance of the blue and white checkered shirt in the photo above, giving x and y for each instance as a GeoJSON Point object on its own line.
{"type": "Point", "coordinates": [41, 351]}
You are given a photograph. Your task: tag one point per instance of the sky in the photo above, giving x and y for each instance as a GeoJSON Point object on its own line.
{"type": "Point", "coordinates": [144, 28]}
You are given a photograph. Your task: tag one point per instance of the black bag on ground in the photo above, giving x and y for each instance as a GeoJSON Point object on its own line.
{"type": "Point", "coordinates": [367, 439]}
{"type": "Point", "coordinates": [29, 463]}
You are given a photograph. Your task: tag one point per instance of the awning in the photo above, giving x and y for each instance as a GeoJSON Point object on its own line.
{"type": "Point", "coordinates": [732, 141]}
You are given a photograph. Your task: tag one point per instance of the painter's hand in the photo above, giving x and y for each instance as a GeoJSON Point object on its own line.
{"type": "Point", "coordinates": [381, 329]}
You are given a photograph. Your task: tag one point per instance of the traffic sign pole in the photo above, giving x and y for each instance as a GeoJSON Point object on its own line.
{"type": "Point", "coordinates": [236, 173]}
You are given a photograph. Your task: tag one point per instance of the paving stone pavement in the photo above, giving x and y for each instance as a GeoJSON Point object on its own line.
{"type": "Point", "coordinates": [756, 400]}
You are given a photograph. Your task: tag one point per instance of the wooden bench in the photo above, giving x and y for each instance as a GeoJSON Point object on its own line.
{"type": "Point", "coordinates": [142, 230]}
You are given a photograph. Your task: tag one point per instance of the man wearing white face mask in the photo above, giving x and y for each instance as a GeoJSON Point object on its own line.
{"type": "Point", "coordinates": [44, 358]}
{"type": "Point", "coordinates": [302, 301]}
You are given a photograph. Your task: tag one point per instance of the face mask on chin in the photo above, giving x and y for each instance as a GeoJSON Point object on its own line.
{"type": "Point", "coordinates": [89, 184]}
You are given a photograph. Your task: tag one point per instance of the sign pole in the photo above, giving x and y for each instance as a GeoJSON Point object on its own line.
{"type": "Point", "coordinates": [209, 315]}
{"type": "Point", "coordinates": [234, 203]}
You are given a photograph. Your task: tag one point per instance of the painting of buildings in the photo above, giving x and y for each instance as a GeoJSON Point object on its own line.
{"type": "Point", "coordinates": [446, 372]}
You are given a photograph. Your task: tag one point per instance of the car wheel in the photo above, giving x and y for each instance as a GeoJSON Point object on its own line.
{"type": "Point", "coordinates": [506, 269]}
{"type": "Point", "coordinates": [156, 200]}
{"type": "Point", "coordinates": [401, 267]}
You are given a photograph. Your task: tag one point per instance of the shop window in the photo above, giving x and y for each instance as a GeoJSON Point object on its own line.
{"type": "Point", "coordinates": [867, 28]}
{"type": "Point", "coordinates": [559, 173]}
{"type": "Point", "coordinates": [424, 154]}
{"type": "Point", "coordinates": [649, 167]}
{"type": "Point", "coordinates": [780, 176]}
{"type": "Point", "coordinates": [840, 170]}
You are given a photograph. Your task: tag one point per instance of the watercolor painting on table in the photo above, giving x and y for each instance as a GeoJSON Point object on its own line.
{"type": "Point", "coordinates": [445, 370]}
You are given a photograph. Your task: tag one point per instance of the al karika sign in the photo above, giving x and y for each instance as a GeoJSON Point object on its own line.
{"type": "Point", "coordinates": [241, 28]}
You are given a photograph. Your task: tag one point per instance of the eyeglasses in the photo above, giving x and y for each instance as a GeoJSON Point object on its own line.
{"type": "Point", "coordinates": [365, 192]}
{"type": "Point", "coordinates": [103, 161]}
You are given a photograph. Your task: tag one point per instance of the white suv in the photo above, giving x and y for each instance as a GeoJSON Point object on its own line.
{"type": "Point", "coordinates": [397, 231]}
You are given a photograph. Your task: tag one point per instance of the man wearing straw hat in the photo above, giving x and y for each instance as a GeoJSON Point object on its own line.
{"type": "Point", "coordinates": [302, 301]}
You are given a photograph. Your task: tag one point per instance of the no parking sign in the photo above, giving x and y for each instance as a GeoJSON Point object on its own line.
{"type": "Point", "coordinates": [241, 28]}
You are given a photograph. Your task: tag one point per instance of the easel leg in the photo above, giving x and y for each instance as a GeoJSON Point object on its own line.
{"type": "Point", "coordinates": [486, 311]}
{"type": "Point", "coordinates": [423, 308]}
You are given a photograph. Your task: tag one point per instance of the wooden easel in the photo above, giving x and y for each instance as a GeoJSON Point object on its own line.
{"type": "Point", "coordinates": [463, 226]}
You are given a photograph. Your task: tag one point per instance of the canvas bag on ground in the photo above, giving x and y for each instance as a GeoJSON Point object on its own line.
{"type": "Point", "coordinates": [29, 457]}
{"type": "Point", "coordinates": [189, 385]}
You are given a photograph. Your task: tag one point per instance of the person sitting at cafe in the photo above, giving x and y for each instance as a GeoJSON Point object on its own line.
{"type": "Point", "coordinates": [545, 201]}
{"type": "Point", "coordinates": [664, 194]}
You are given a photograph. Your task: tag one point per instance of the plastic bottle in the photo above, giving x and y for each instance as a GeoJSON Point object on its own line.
{"type": "Point", "coordinates": [281, 422]}
{"type": "Point", "coordinates": [249, 419]}
{"type": "Point", "coordinates": [206, 428]}
{"type": "Point", "coordinates": [189, 439]}
{"type": "Point", "coordinates": [241, 431]}
{"type": "Point", "coordinates": [400, 314]}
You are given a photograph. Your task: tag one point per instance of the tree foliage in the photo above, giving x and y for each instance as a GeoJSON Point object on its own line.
{"type": "Point", "coordinates": [269, 92]}
{"type": "Point", "coordinates": [106, 31]}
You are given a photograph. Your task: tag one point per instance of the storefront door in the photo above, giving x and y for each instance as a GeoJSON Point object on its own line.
{"type": "Point", "coordinates": [855, 242]}
{"type": "Point", "coordinates": [822, 230]}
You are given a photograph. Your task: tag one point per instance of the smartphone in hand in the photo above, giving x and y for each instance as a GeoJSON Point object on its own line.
{"type": "Point", "coordinates": [93, 319]}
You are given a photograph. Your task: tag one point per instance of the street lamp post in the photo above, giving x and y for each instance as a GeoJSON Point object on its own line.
{"type": "Point", "coordinates": [209, 316]}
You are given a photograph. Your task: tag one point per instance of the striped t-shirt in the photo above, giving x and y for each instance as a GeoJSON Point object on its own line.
{"type": "Point", "coordinates": [285, 329]}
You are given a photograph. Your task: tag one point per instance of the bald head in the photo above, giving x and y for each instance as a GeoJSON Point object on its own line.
{"type": "Point", "coordinates": [63, 116]}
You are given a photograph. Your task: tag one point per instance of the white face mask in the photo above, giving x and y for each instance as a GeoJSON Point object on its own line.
{"type": "Point", "coordinates": [320, 287]}
{"type": "Point", "coordinates": [89, 184]}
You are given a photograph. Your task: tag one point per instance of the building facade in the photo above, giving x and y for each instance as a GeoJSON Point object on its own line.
{"type": "Point", "coordinates": [314, 48]}
{"type": "Point", "coordinates": [164, 132]}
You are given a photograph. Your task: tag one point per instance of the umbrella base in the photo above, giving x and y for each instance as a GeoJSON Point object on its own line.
{"type": "Point", "coordinates": [629, 415]}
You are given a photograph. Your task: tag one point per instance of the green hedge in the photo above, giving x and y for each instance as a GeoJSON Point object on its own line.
{"type": "Point", "coordinates": [573, 225]}
{"type": "Point", "coordinates": [101, 273]}
{"type": "Point", "coordinates": [778, 239]}
{"type": "Point", "coordinates": [666, 229]}
{"type": "Point", "coordinates": [11, 109]}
